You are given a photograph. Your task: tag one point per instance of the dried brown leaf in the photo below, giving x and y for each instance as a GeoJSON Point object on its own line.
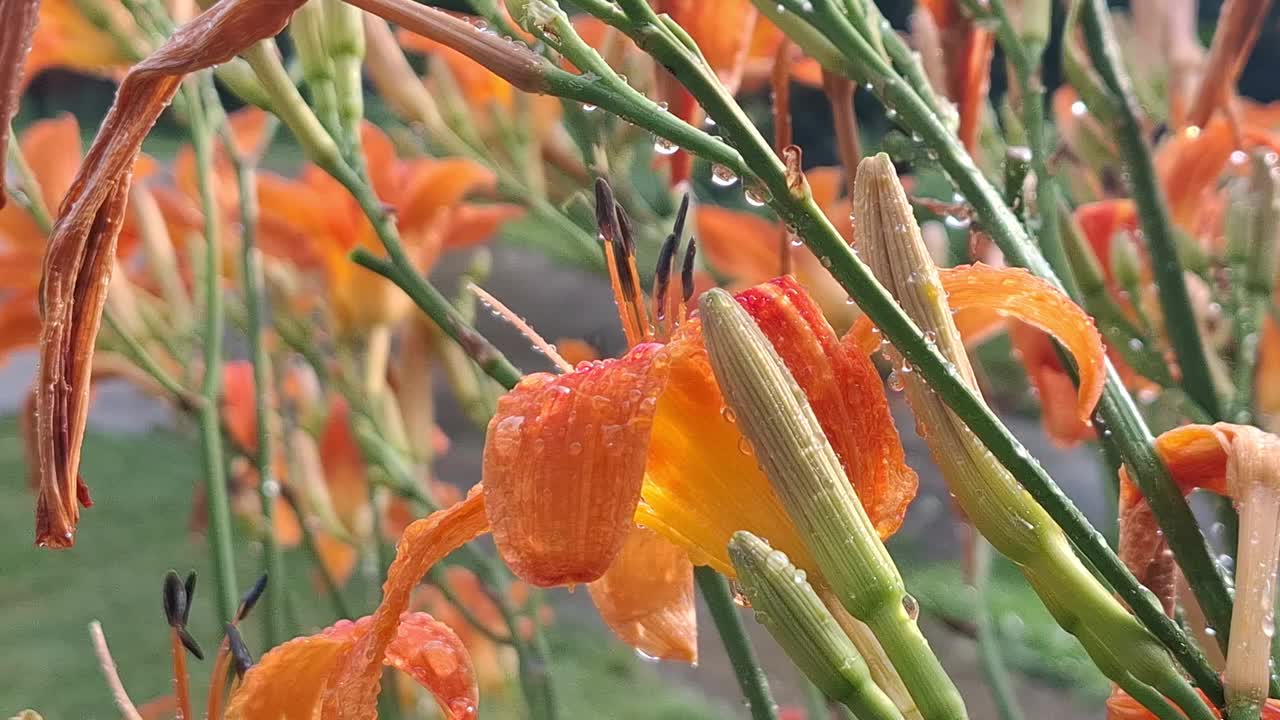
{"type": "Point", "coordinates": [77, 266]}
{"type": "Point", "coordinates": [15, 42]}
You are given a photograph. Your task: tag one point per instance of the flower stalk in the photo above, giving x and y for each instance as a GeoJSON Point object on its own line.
{"type": "Point", "coordinates": [992, 498]}
{"type": "Point", "coordinates": [807, 475]}
{"type": "Point", "coordinates": [746, 668]}
{"type": "Point", "coordinates": [786, 604]}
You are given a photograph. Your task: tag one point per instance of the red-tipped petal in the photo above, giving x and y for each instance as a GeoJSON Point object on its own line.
{"type": "Point", "coordinates": [846, 394]}
{"type": "Point", "coordinates": [563, 463]}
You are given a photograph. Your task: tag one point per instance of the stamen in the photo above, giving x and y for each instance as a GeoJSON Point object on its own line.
{"type": "Point", "coordinates": [631, 285]}
{"type": "Point", "coordinates": [662, 277]}
{"type": "Point", "coordinates": [241, 658]}
{"type": "Point", "coordinates": [175, 600]}
{"type": "Point", "coordinates": [686, 279]}
{"type": "Point", "coordinates": [521, 326]}
{"type": "Point", "coordinates": [251, 598]}
{"type": "Point", "coordinates": [621, 264]}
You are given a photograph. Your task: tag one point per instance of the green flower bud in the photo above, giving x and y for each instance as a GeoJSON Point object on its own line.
{"type": "Point", "coordinates": [786, 604]}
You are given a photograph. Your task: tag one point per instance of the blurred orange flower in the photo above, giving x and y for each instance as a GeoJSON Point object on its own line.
{"type": "Point", "coordinates": [316, 223]}
{"type": "Point", "coordinates": [66, 38]}
{"type": "Point", "coordinates": [966, 56]}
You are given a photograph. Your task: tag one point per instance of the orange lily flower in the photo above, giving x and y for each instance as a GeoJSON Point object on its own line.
{"type": "Point", "coordinates": [322, 222]}
{"type": "Point", "coordinates": [627, 470]}
{"type": "Point", "coordinates": [987, 298]}
{"type": "Point", "coordinates": [65, 38]}
{"type": "Point", "coordinates": [967, 51]}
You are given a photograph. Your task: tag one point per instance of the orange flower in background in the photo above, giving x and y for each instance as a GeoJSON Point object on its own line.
{"type": "Point", "coordinates": [65, 38]}
{"type": "Point", "coordinates": [318, 224]}
{"type": "Point", "coordinates": [746, 248]}
{"type": "Point", "coordinates": [966, 51]}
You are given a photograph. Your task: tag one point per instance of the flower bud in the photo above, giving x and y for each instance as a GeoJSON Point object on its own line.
{"type": "Point", "coordinates": [786, 604]}
{"type": "Point", "coordinates": [1126, 266]}
{"type": "Point", "coordinates": [344, 42]}
{"type": "Point", "coordinates": [775, 416]}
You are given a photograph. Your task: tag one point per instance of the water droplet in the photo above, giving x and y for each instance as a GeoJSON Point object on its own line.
{"type": "Point", "coordinates": [663, 146]}
{"type": "Point", "coordinates": [744, 446]}
{"type": "Point", "coordinates": [728, 414]}
{"type": "Point", "coordinates": [575, 448]}
{"type": "Point", "coordinates": [646, 657]}
{"type": "Point", "coordinates": [912, 607]}
{"type": "Point", "coordinates": [956, 222]}
{"type": "Point", "coordinates": [756, 194]}
{"type": "Point", "coordinates": [895, 381]}
{"type": "Point", "coordinates": [722, 176]}
{"type": "Point", "coordinates": [588, 107]}
{"type": "Point", "coordinates": [1079, 109]}
{"type": "Point", "coordinates": [1239, 157]}
{"type": "Point", "coordinates": [930, 338]}
{"type": "Point", "coordinates": [662, 105]}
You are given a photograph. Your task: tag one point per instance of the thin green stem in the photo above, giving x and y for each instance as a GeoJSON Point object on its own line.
{"type": "Point", "coordinates": [219, 505]}
{"type": "Point", "coordinates": [989, 653]}
{"type": "Point", "coordinates": [1180, 323]}
{"type": "Point", "coordinates": [724, 613]}
{"type": "Point", "coordinates": [438, 308]}
{"type": "Point", "coordinates": [803, 213]}
{"type": "Point", "coordinates": [29, 193]}
{"type": "Point", "coordinates": [268, 486]}
{"type": "Point", "coordinates": [140, 357]}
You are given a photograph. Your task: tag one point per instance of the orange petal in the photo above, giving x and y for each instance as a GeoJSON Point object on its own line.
{"type": "Point", "coordinates": [846, 394]}
{"type": "Point", "coordinates": [1100, 221]}
{"type": "Point", "coordinates": [238, 409]}
{"type": "Point", "coordinates": [1267, 379]}
{"type": "Point", "coordinates": [82, 247]}
{"type": "Point", "coordinates": [967, 51]}
{"type": "Point", "coordinates": [646, 597]}
{"type": "Point", "coordinates": [290, 680]}
{"type": "Point", "coordinates": [576, 351]}
{"type": "Point", "coordinates": [344, 471]}
{"type": "Point", "coordinates": [1190, 163]}
{"type": "Point", "coordinates": [1120, 706]}
{"type": "Point", "coordinates": [386, 171]}
{"type": "Point", "coordinates": [564, 460]}
{"type": "Point", "coordinates": [434, 185]}
{"type": "Point", "coordinates": [19, 324]}
{"type": "Point", "coordinates": [741, 245]}
{"type": "Point", "coordinates": [1016, 293]}
{"type": "Point", "coordinates": [52, 149]}
{"type": "Point", "coordinates": [470, 225]}
{"type": "Point", "coordinates": [352, 692]}
{"type": "Point", "coordinates": [723, 30]}
{"type": "Point", "coordinates": [1059, 418]}
{"type": "Point", "coordinates": [1196, 456]}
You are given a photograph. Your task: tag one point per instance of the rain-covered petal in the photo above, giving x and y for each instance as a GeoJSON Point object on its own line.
{"type": "Point", "coordinates": [564, 459]}
{"type": "Point", "coordinates": [846, 394]}
{"type": "Point", "coordinates": [352, 689]}
{"type": "Point", "coordinates": [646, 597]}
{"type": "Point", "coordinates": [289, 682]}
{"type": "Point", "coordinates": [1017, 294]}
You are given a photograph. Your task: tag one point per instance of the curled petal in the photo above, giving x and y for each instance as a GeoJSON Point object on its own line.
{"type": "Point", "coordinates": [564, 459]}
{"type": "Point", "coordinates": [15, 43]}
{"type": "Point", "coordinates": [1016, 293]}
{"type": "Point", "coordinates": [78, 262]}
{"type": "Point", "coordinates": [1057, 392]}
{"type": "Point", "coordinates": [646, 597]}
{"type": "Point", "coordinates": [1196, 456]}
{"type": "Point", "coordinates": [290, 680]}
{"type": "Point", "coordinates": [352, 690]}
{"type": "Point", "coordinates": [846, 394]}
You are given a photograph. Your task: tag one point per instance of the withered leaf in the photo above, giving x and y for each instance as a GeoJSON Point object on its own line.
{"type": "Point", "coordinates": [15, 42]}
{"type": "Point", "coordinates": [77, 265]}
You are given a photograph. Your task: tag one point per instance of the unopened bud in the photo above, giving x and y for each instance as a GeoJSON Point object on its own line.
{"type": "Point", "coordinates": [344, 42]}
{"type": "Point", "coordinates": [1126, 266]}
{"type": "Point", "coordinates": [803, 469]}
{"type": "Point", "coordinates": [787, 606]}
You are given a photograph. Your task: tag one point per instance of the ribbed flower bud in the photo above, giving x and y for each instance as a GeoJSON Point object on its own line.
{"type": "Point", "coordinates": [344, 41]}
{"type": "Point", "coordinates": [775, 416]}
{"type": "Point", "coordinates": [786, 604]}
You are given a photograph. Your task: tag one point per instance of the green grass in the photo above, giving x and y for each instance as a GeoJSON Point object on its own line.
{"type": "Point", "coordinates": [138, 529]}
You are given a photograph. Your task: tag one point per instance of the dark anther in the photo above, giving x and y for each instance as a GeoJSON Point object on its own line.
{"type": "Point", "coordinates": [686, 272]}
{"type": "Point", "coordinates": [175, 600]}
{"type": "Point", "coordinates": [189, 643]}
{"type": "Point", "coordinates": [606, 222]}
{"type": "Point", "coordinates": [666, 259]}
{"type": "Point", "coordinates": [190, 588]}
{"type": "Point", "coordinates": [241, 659]}
{"type": "Point", "coordinates": [251, 598]}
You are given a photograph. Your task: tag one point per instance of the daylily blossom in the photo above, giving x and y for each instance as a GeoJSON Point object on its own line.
{"type": "Point", "coordinates": [622, 473]}
{"type": "Point", "coordinates": [322, 223]}
{"type": "Point", "coordinates": [66, 38]}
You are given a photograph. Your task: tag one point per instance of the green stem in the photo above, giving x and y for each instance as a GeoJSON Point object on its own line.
{"type": "Point", "coordinates": [989, 652]}
{"type": "Point", "coordinates": [29, 194]}
{"type": "Point", "coordinates": [812, 225]}
{"type": "Point", "coordinates": [751, 678]}
{"type": "Point", "coordinates": [219, 506]}
{"type": "Point", "coordinates": [438, 308]}
{"type": "Point", "coordinates": [268, 485]}
{"type": "Point", "coordinates": [140, 357]}
{"type": "Point", "coordinates": [1175, 303]}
